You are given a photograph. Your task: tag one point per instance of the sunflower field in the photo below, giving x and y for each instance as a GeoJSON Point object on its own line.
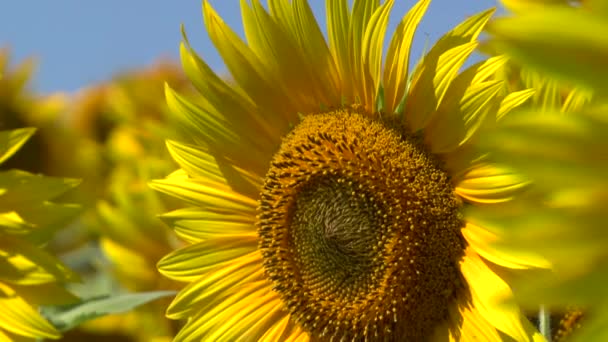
{"type": "Point", "coordinates": [328, 183]}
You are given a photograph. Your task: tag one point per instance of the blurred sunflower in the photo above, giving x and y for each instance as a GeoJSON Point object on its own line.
{"type": "Point", "coordinates": [121, 126]}
{"type": "Point", "coordinates": [21, 107]}
{"type": "Point", "coordinates": [29, 276]}
{"type": "Point", "coordinates": [560, 148]}
{"type": "Point", "coordinates": [328, 193]}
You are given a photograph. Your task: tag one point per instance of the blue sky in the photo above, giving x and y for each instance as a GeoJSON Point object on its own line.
{"type": "Point", "coordinates": [80, 42]}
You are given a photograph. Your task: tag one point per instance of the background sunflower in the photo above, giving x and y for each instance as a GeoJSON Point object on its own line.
{"type": "Point", "coordinates": [29, 276]}
{"type": "Point", "coordinates": [558, 147]}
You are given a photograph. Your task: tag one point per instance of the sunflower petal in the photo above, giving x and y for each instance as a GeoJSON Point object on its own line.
{"type": "Point", "coordinates": [236, 107]}
{"type": "Point", "coordinates": [299, 22]}
{"type": "Point", "coordinates": [560, 40]}
{"type": "Point", "coordinates": [19, 317]}
{"type": "Point", "coordinates": [458, 118]}
{"type": "Point", "coordinates": [22, 189]}
{"type": "Point", "coordinates": [397, 58]}
{"type": "Point", "coordinates": [513, 100]}
{"type": "Point", "coordinates": [198, 162]}
{"type": "Point", "coordinates": [430, 83]}
{"type": "Point", "coordinates": [210, 128]}
{"type": "Point", "coordinates": [212, 287]}
{"type": "Point", "coordinates": [371, 55]}
{"type": "Point", "coordinates": [35, 266]}
{"type": "Point", "coordinates": [11, 141]}
{"type": "Point", "coordinates": [250, 73]}
{"type": "Point", "coordinates": [194, 224]}
{"type": "Point", "coordinates": [188, 263]}
{"type": "Point", "coordinates": [338, 22]}
{"type": "Point", "coordinates": [288, 65]}
{"type": "Point", "coordinates": [487, 291]}
{"type": "Point", "coordinates": [483, 242]}
{"type": "Point", "coordinates": [552, 148]}
{"type": "Point", "coordinates": [181, 186]}
{"type": "Point", "coordinates": [488, 183]}
{"type": "Point", "coordinates": [208, 322]}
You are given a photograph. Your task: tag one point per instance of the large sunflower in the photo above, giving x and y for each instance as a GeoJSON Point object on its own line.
{"type": "Point", "coordinates": [327, 192]}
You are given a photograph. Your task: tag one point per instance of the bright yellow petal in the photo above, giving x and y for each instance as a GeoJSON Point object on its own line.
{"type": "Point", "coordinates": [488, 183]}
{"type": "Point", "coordinates": [432, 76]}
{"type": "Point", "coordinates": [261, 85]}
{"type": "Point", "coordinates": [188, 263]}
{"type": "Point", "coordinates": [459, 117]}
{"type": "Point", "coordinates": [488, 293]}
{"type": "Point", "coordinates": [190, 190]}
{"type": "Point", "coordinates": [11, 141]}
{"type": "Point", "coordinates": [19, 317]}
{"type": "Point", "coordinates": [396, 73]}
{"type": "Point", "coordinates": [212, 287]}
{"type": "Point", "coordinates": [483, 243]}
{"type": "Point", "coordinates": [513, 100]}
{"type": "Point", "coordinates": [338, 22]}
{"type": "Point", "coordinates": [194, 224]}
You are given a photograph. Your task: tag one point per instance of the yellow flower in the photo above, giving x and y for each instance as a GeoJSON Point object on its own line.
{"type": "Point", "coordinates": [29, 276]}
{"type": "Point", "coordinates": [559, 147]}
{"type": "Point", "coordinates": [328, 192]}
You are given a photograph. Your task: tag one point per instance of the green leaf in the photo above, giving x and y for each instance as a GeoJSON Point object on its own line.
{"type": "Point", "coordinates": [66, 318]}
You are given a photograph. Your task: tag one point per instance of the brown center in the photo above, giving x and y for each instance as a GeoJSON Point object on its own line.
{"type": "Point", "coordinates": [360, 230]}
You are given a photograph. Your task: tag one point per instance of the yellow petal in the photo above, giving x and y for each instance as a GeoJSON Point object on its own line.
{"type": "Point", "coordinates": [559, 40]}
{"type": "Point", "coordinates": [371, 55]}
{"type": "Point", "coordinates": [19, 317]}
{"type": "Point", "coordinates": [338, 22]}
{"type": "Point", "coordinates": [459, 117]}
{"type": "Point", "coordinates": [234, 105]}
{"type": "Point", "coordinates": [487, 183]}
{"type": "Point", "coordinates": [266, 38]}
{"type": "Point", "coordinates": [180, 186]}
{"type": "Point", "coordinates": [242, 300]}
{"type": "Point", "coordinates": [297, 20]}
{"type": "Point", "coordinates": [212, 287]}
{"type": "Point", "coordinates": [397, 58]}
{"type": "Point", "coordinates": [432, 77]}
{"type": "Point", "coordinates": [34, 265]}
{"type": "Point", "coordinates": [11, 141]}
{"type": "Point", "coordinates": [483, 243]}
{"type": "Point", "coordinates": [209, 127]}
{"type": "Point", "coordinates": [513, 100]}
{"type": "Point", "coordinates": [194, 224]}
{"type": "Point", "coordinates": [430, 83]}
{"type": "Point", "coordinates": [23, 189]}
{"type": "Point", "coordinates": [488, 292]}
{"type": "Point", "coordinates": [248, 70]}
{"type": "Point", "coordinates": [188, 263]}
{"type": "Point", "coordinates": [199, 163]}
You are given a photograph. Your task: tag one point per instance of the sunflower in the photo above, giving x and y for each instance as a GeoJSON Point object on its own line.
{"type": "Point", "coordinates": [328, 192]}
{"type": "Point", "coordinates": [29, 276]}
{"type": "Point", "coordinates": [559, 148]}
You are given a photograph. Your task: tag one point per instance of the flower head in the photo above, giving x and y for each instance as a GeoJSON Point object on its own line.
{"type": "Point", "coordinates": [328, 192]}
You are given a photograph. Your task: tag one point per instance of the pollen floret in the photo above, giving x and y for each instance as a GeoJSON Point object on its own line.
{"type": "Point", "coordinates": [359, 230]}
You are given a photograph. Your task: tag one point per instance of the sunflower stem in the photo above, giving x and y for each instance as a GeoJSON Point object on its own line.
{"type": "Point", "coordinates": [544, 322]}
